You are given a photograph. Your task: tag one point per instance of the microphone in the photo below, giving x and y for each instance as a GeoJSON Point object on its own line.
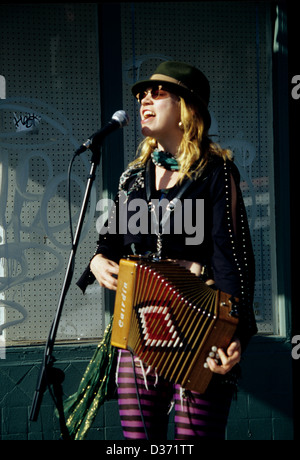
{"type": "Point", "coordinates": [118, 120]}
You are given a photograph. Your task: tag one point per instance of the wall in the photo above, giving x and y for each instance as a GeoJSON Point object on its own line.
{"type": "Point", "coordinates": [51, 106]}
{"type": "Point", "coordinates": [263, 409]}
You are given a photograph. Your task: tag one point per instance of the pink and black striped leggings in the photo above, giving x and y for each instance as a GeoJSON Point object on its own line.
{"type": "Point", "coordinates": [196, 416]}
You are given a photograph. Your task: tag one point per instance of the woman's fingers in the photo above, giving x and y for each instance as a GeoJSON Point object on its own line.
{"type": "Point", "coordinates": [105, 272]}
{"type": "Point", "coordinates": [226, 360]}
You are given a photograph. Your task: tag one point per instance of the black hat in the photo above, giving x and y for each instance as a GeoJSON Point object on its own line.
{"type": "Point", "coordinates": [181, 79]}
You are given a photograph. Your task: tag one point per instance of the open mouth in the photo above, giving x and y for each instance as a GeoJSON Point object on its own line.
{"type": "Point", "coordinates": [148, 114]}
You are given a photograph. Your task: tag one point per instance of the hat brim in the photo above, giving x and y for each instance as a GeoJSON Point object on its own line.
{"type": "Point", "coordinates": [174, 88]}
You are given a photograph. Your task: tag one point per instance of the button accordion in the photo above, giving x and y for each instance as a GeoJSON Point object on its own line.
{"type": "Point", "coordinates": [171, 320]}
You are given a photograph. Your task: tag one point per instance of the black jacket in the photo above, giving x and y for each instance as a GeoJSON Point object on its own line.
{"type": "Point", "coordinates": [227, 255]}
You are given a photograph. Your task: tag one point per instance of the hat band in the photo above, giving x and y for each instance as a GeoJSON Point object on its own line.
{"type": "Point", "coordinates": [168, 79]}
{"type": "Point", "coordinates": [162, 77]}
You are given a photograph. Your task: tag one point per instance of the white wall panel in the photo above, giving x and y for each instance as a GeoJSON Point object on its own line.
{"type": "Point", "coordinates": [49, 59]}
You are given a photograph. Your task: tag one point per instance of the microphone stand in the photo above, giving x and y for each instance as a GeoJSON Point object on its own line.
{"type": "Point", "coordinates": [48, 374]}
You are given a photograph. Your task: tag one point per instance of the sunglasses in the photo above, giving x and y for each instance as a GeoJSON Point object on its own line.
{"type": "Point", "coordinates": [156, 92]}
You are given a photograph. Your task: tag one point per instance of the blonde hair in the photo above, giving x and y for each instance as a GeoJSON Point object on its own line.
{"type": "Point", "coordinates": [196, 147]}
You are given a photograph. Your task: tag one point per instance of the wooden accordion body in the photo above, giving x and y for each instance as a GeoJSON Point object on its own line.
{"type": "Point", "coordinates": [171, 319]}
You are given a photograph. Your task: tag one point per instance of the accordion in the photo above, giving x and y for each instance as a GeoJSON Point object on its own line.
{"type": "Point", "coordinates": [171, 320]}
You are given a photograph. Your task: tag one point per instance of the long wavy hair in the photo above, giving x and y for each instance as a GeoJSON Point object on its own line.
{"type": "Point", "coordinates": [196, 148]}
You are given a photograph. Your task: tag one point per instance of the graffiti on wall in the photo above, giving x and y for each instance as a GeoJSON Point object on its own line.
{"type": "Point", "coordinates": [32, 134]}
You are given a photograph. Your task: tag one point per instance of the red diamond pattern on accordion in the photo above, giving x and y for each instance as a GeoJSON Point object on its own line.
{"type": "Point", "coordinates": [165, 335]}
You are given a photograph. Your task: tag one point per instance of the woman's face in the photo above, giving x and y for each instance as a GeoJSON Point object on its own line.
{"type": "Point", "coordinates": [160, 117]}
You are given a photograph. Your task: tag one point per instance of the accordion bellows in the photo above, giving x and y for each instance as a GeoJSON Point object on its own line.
{"type": "Point", "coordinates": [171, 320]}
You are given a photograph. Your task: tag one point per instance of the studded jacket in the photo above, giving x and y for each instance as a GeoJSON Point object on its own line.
{"type": "Point", "coordinates": [223, 246]}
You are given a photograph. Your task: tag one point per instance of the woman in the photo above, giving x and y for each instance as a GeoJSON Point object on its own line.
{"type": "Point", "coordinates": [177, 159]}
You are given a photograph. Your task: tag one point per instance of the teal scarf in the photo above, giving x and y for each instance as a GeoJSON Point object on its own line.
{"type": "Point", "coordinates": [165, 160]}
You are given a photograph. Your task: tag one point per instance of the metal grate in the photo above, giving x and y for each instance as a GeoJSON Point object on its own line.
{"type": "Point", "coordinates": [231, 42]}
{"type": "Point", "coordinates": [49, 62]}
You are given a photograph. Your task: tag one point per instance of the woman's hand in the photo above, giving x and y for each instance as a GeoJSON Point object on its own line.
{"type": "Point", "coordinates": [227, 360]}
{"type": "Point", "coordinates": [105, 272]}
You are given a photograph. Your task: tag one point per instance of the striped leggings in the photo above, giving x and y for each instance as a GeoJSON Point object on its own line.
{"type": "Point", "coordinates": [196, 416]}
